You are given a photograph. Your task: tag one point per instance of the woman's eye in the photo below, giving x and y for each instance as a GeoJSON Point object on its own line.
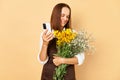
{"type": "Point", "coordinates": [62, 15]}
{"type": "Point", "coordinates": [68, 17]}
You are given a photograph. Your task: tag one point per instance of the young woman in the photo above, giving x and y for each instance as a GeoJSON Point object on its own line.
{"type": "Point", "coordinates": [60, 19]}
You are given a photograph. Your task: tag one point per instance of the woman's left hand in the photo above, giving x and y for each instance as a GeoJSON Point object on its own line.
{"type": "Point", "coordinates": [57, 60]}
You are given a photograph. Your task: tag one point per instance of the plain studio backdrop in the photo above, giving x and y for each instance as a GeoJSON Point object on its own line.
{"type": "Point", "coordinates": [21, 25]}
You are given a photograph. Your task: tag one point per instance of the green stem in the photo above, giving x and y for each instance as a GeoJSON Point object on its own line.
{"type": "Point", "coordinates": [60, 72]}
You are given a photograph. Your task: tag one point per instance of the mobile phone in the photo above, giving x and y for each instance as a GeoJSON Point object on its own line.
{"type": "Point", "coordinates": [47, 26]}
{"type": "Point", "coordinates": [44, 26]}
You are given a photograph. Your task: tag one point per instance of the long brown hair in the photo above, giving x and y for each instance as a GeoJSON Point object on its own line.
{"type": "Point", "coordinates": [56, 15]}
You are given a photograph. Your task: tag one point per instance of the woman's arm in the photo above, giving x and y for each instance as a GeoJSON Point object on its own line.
{"type": "Point", "coordinates": [73, 60]}
{"type": "Point", "coordinates": [43, 53]}
{"type": "Point", "coordinates": [78, 59]}
{"type": "Point", "coordinates": [58, 60]}
{"type": "Point", "coordinates": [45, 41]}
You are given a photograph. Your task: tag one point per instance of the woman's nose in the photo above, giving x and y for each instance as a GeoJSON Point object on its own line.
{"type": "Point", "coordinates": [65, 18]}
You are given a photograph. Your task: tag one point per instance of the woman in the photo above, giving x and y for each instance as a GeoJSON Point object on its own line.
{"type": "Point", "coordinates": [60, 19]}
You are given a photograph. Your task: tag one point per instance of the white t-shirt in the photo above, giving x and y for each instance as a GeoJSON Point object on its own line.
{"type": "Point", "coordinates": [79, 56]}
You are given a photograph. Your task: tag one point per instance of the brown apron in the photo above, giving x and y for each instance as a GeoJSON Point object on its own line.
{"type": "Point", "coordinates": [49, 67]}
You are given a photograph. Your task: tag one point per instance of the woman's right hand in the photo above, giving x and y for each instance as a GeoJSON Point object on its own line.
{"type": "Point", "coordinates": [47, 36]}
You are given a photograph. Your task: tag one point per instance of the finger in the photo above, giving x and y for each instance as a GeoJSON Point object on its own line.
{"type": "Point", "coordinates": [54, 57]}
{"type": "Point", "coordinates": [54, 61]}
{"type": "Point", "coordinates": [48, 34]}
{"type": "Point", "coordinates": [44, 38]}
{"type": "Point", "coordinates": [50, 37]}
{"type": "Point", "coordinates": [45, 32]}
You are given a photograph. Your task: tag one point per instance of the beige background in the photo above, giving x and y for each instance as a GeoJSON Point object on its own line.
{"type": "Point", "coordinates": [21, 25]}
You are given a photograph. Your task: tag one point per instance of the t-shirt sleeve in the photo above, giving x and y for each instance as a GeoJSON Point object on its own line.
{"type": "Point", "coordinates": [80, 58]}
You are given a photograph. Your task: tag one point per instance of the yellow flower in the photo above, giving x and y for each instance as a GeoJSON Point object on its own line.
{"type": "Point", "coordinates": [64, 36]}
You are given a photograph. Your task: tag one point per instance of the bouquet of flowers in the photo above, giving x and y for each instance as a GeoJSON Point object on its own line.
{"type": "Point", "coordinates": [70, 43]}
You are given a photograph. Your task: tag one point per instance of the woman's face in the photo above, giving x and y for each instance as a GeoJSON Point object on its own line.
{"type": "Point", "coordinates": [65, 13]}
